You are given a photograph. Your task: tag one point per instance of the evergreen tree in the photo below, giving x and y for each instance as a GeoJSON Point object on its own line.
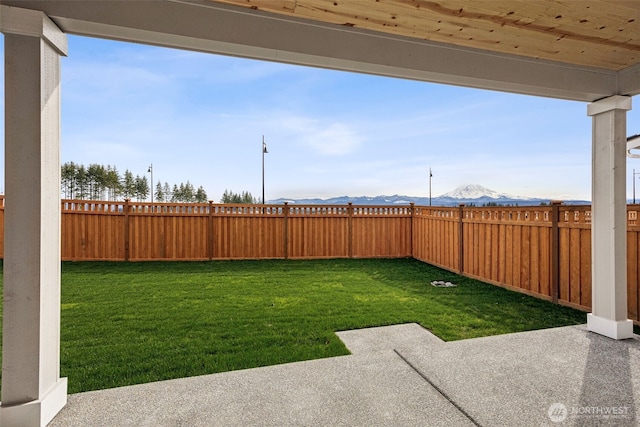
{"type": "Point", "coordinates": [96, 177]}
{"type": "Point", "coordinates": [167, 192]}
{"type": "Point", "coordinates": [180, 196]}
{"type": "Point", "coordinates": [82, 183]}
{"type": "Point", "coordinates": [175, 194]}
{"type": "Point", "coordinates": [128, 185]}
{"type": "Point", "coordinates": [244, 197]}
{"type": "Point", "coordinates": [159, 192]}
{"type": "Point", "coordinates": [97, 182]}
{"type": "Point", "coordinates": [201, 195]}
{"type": "Point", "coordinates": [68, 179]}
{"type": "Point", "coordinates": [188, 195]}
{"type": "Point", "coordinates": [112, 182]}
{"type": "Point", "coordinates": [141, 187]}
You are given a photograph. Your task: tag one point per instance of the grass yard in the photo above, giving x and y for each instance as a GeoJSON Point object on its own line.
{"type": "Point", "coordinates": [129, 323]}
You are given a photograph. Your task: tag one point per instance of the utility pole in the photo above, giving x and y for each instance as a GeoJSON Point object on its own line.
{"type": "Point", "coordinates": [430, 176]}
{"type": "Point", "coordinates": [151, 187]}
{"type": "Point", "coordinates": [634, 185]}
{"type": "Point", "coordinates": [264, 151]}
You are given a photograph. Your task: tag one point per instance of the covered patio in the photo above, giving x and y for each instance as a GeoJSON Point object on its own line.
{"type": "Point", "coordinates": [575, 50]}
{"type": "Point", "coordinates": [399, 375]}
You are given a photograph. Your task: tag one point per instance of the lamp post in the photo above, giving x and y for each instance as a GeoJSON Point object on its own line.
{"type": "Point", "coordinates": [151, 187]}
{"type": "Point", "coordinates": [634, 185]}
{"type": "Point", "coordinates": [264, 151]}
{"type": "Point", "coordinates": [633, 146]}
{"type": "Point", "coordinates": [430, 176]}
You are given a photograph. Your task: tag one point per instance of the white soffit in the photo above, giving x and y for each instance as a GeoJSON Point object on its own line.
{"type": "Point", "coordinates": [229, 30]}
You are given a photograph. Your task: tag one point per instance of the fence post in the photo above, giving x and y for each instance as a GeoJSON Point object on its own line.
{"type": "Point", "coordinates": [350, 230]}
{"type": "Point", "coordinates": [126, 229]}
{"type": "Point", "coordinates": [210, 232]}
{"type": "Point", "coordinates": [413, 213]}
{"type": "Point", "coordinates": [555, 250]}
{"type": "Point", "coordinates": [285, 211]}
{"type": "Point", "coordinates": [460, 238]}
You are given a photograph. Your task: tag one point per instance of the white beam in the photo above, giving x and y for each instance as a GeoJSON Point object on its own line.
{"type": "Point", "coordinates": [32, 390]}
{"type": "Point", "coordinates": [609, 219]}
{"type": "Point", "coordinates": [629, 81]}
{"type": "Point", "coordinates": [207, 26]}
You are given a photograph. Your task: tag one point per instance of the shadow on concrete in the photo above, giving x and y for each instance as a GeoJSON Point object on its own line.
{"type": "Point", "coordinates": [607, 396]}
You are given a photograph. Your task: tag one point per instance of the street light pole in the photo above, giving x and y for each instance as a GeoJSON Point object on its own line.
{"type": "Point", "coordinates": [634, 185]}
{"type": "Point", "coordinates": [430, 176]}
{"type": "Point", "coordinates": [264, 151]}
{"type": "Point", "coordinates": [151, 187]}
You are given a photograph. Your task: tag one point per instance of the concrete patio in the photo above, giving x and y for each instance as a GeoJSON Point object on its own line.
{"type": "Point", "coordinates": [398, 376]}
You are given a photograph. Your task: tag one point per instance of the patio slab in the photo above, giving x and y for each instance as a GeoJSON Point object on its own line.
{"type": "Point", "coordinates": [398, 375]}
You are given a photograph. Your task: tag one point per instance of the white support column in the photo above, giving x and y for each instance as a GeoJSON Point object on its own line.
{"type": "Point", "coordinates": [609, 219]}
{"type": "Point", "coordinates": [32, 390]}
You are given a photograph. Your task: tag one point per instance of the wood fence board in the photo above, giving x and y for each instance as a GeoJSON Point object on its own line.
{"type": "Point", "coordinates": [502, 254]}
{"type": "Point", "coordinates": [632, 274]}
{"type": "Point", "coordinates": [585, 268]}
{"type": "Point", "coordinates": [564, 263]}
{"type": "Point", "coordinates": [517, 256]}
{"type": "Point", "coordinates": [476, 249]}
{"type": "Point", "coordinates": [634, 284]}
{"type": "Point", "coordinates": [535, 259]}
{"type": "Point", "coordinates": [574, 268]}
{"type": "Point", "coordinates": [485, 245]}
{"type": "Point", "coordinates": [508, 255]}
{"type": "Point", "coordinates": [525, 259]}
{"type": "Point", "coordinates": [545, 262]}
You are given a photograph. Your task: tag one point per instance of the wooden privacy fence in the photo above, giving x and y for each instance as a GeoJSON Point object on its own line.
{"type": "Point", "coordinates": [163, 231]}
{"type": "Point", "coordinates": [544, 251]}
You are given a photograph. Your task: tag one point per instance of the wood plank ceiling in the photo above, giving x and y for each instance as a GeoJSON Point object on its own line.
{"type": "Point", "coordinates": [603, 34]}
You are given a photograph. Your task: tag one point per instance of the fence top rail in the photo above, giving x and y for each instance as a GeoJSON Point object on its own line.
{"type": "Point", "coordinates": [240, 209]}
{"type": "Point", "coordinates": [568, 215]}
{"type": "Point", "coordinates": [437, 213]}
{"type": "Point", "coordinates": [632, 217]}
{"type": "Point", "coordinates": [382, 210]}
{"type": "Point", "coordinates": [93, 206]}
{"type": "Point", "coordinates": [317, 210]}
{"type": "Point", "coordinates": [349, 210]}
{"type": "Point", "coordinates": [509, 214]}
{"type": "Point", "coordinates": [246, 210]}
{"type": "Point", "coordinates": [575, 216]}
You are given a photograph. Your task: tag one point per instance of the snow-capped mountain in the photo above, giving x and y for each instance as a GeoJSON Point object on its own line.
{"type": "Point", "coordinates": [475, 191]}
{"type": "Point", "coordinates": [471, 194]}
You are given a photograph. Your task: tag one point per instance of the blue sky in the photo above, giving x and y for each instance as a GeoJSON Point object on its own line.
{"type": "Point", "coordinates": [201, 118]}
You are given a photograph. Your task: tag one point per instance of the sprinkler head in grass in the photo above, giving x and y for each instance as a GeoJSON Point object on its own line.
{"type": "Point", "coordinates": [443, 284]}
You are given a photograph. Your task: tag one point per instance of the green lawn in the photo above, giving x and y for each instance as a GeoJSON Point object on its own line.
{"type": "Point", "coordinates": [129, 323]}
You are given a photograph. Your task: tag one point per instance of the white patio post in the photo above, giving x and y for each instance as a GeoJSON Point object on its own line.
{"type": "Point", "coordinates": [609, 219]}
{"type": "Point", "coordinates": [32, 390]}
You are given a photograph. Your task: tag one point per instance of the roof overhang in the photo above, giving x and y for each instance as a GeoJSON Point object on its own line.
{"type": "Point", "coordinates": [211, 27]}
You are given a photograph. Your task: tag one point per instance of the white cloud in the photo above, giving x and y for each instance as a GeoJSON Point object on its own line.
{"type": "Point", "coordinates": [323, 136]}
{"type": "Point", "coordinates": [335, 139]}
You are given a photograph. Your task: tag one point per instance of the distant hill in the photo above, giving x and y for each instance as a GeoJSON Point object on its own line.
{"type": "Point", "coordinates": [471, 194]}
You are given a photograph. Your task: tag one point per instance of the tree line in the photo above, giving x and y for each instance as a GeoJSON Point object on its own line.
{"type": "Point", "coordinates": [244, 197]}
{"type": "Point", "coordinates": [99, 182]}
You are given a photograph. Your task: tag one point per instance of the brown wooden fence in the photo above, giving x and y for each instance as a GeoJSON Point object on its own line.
{"type": "Point", "coordinates": [543, 251]}
{"type": "Point", "coordinates": [166, 231]}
